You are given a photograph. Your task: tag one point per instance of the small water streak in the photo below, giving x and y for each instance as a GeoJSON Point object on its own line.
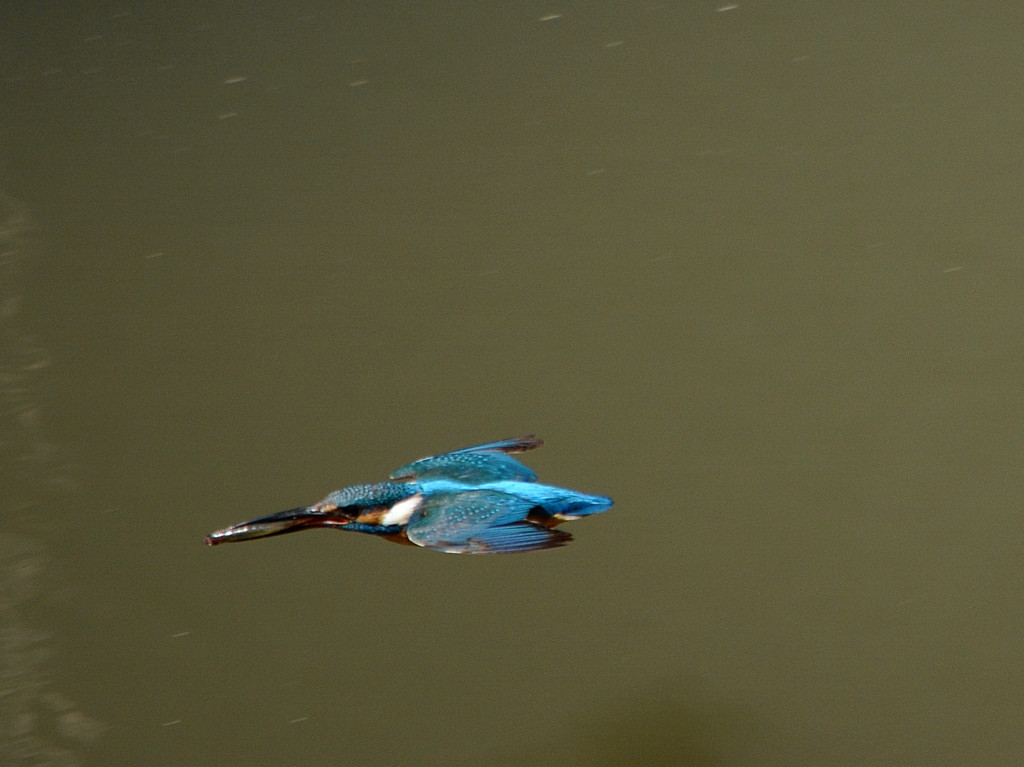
{"type": "Point", "coordinates": [39, 725]}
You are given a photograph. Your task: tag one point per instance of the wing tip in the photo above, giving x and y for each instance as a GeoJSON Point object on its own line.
{"type": "Point", "coordinates": [517, 538]}
{"type": "Point", "coordinates": [509, 445]}
{"type": "Point", "coordinates": [551, 539]}
{"type": "Point", "coordinates": [522, 444]}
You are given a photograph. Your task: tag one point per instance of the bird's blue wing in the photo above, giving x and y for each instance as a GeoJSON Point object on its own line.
{"type": "Point", "coordinates": [479, 522]}
{"type": "Point", "coordinates": [512, 539]}
{"type": "Point", "coordinates": [474, 465]}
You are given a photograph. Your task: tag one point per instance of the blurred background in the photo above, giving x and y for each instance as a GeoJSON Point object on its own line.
{"type": "Point", "coordinates": [754, 270]}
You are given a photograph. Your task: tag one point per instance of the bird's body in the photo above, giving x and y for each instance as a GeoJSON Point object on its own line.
{"type": "Point", "coordinates": [478, 500]}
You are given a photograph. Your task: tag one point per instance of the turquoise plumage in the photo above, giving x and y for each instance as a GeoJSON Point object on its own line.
{"type": "Point", "coordinates": [477, 500]}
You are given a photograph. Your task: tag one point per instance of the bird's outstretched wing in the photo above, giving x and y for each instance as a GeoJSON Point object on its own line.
{"type": "Point", "coordinates": [479, 522]}
{"type": "Point", "coordinates": [490, 462]}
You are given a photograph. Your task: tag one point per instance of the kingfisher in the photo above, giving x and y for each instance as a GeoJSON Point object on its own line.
{"type": "Point", "coordinates": [477, 500]}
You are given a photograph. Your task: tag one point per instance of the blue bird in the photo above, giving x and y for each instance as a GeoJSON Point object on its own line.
{"type": "Point", "coordinates": [477, 500]}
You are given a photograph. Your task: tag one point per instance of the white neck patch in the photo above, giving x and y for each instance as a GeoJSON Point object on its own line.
{"type": "Point", "coordinates": [401, 512]}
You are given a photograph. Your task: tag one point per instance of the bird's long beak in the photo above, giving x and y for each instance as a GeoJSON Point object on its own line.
{"type": "Point", "coordinates": [280, 523]}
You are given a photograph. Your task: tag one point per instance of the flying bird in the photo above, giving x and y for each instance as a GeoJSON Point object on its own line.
{"type": "Point", "coordinates": [477, 500]}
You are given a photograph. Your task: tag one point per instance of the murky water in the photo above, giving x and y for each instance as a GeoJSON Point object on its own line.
{"type": "Point", "coordinates": [754, 270]}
